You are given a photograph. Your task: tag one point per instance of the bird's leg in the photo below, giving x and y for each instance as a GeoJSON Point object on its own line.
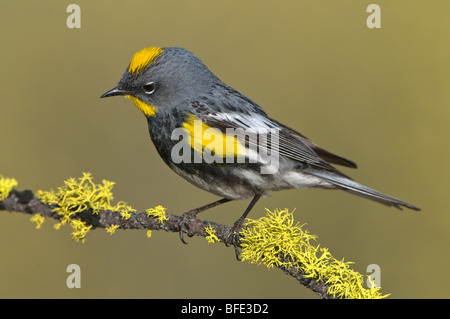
{"type": "Point", "coordinates": [234, 233]}
{"type": "Point", "coordinates": [188, 216]}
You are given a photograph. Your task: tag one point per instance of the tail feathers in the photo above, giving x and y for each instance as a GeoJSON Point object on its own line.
{"type": "Point", "coordinates": [361, 190]}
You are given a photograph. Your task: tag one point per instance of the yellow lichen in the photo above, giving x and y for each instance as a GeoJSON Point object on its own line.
{"type": "Point", "coordinates": [149, 233]}
{"type": "Point", "coordinates": [125, 215]}
{"type": "Point", "coordinates": [158, 212]}
{"type": "Point", "coordinates": [79, 229]}
{"type": "Point", "coordinates": [111, 229]}
{"type": "Point", "coordinates": [6, 186]}
{"type": "Point", "coordinates": [211, 238]}
{"type": "Point", "coordinates": [38, 219]}
{"type": "Point", "coordinates": [79, 195]}
{"type": "Point", "coordinates": [124, 209]}
{"type": "Point", "coordinates": [274, 240]}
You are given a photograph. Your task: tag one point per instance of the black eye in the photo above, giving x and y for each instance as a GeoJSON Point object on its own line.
{"type": "Point", "coordinates": [149, 87]}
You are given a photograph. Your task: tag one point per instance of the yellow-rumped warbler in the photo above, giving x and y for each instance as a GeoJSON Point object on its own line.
{"type": "Point", "coordinates": [220, 140]}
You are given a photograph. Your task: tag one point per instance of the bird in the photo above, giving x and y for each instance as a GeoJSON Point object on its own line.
{"type": "Point", "coordinates": [222, 141]}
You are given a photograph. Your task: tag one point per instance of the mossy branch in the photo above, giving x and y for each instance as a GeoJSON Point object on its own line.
{"type": "Point", "coordinates": [272, 240]}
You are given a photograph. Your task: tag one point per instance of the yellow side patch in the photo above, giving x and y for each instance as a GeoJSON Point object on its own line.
{"type": "Point", "coordinates": [147, 109]}
{"type": "Point", "coordinates": [143, 58]}
{"type": "Point", "coordinates": [205, 137]}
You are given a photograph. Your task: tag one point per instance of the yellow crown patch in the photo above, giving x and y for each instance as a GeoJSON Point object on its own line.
{"type": "Point", "coordinates": [143, 58]}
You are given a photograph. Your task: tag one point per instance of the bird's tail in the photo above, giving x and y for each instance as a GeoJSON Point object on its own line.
{"type": "Point", "coordinates": [361, 190]}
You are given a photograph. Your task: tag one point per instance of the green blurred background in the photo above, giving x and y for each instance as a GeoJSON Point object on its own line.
{"type": "Point", "coordinates": [379, 97]}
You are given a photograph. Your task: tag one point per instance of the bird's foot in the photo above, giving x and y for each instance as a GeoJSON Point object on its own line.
{"type": "Point", "coordinates": [234, 238]}
{"type": "Point", "coordinates": [185, 219]}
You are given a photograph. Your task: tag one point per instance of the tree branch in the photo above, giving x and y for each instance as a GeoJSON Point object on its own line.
{"type": "Point", "coordinates": [26, 202]}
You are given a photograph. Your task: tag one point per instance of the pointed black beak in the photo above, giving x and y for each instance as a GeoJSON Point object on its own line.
{"type": "Point", "coordinates": [115, 91]}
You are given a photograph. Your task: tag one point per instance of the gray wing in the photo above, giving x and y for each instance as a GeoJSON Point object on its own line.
{"type": "Point", "coordinates": [291, 144]}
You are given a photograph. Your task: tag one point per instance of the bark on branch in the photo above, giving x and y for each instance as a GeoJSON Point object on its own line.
{"type": "Point", "coordinates": [26, 202]}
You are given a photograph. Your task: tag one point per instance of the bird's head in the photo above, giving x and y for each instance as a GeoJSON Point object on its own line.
{"type": "Point", "coordinates": [159, 78]}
